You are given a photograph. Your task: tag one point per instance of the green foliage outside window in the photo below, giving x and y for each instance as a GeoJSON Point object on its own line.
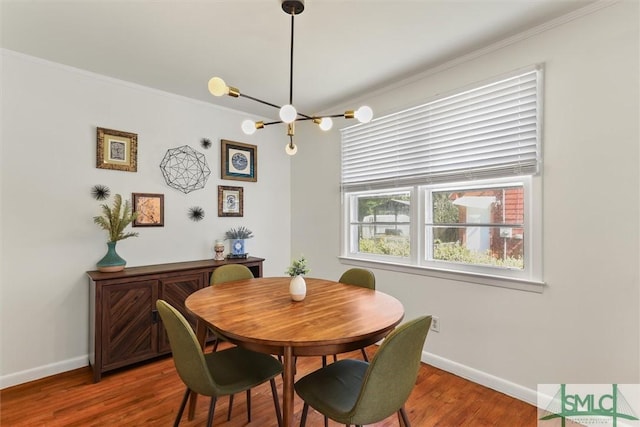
{"type": "Point", "coordinates": [455, 252]}
{"type": "Point", "coordinates": [385, 246]}
{"type": "Point", "coordinates": [445, 212]}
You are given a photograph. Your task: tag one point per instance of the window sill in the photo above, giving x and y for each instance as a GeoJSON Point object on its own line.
{"type": "Point", "coordinates": [478, 279]}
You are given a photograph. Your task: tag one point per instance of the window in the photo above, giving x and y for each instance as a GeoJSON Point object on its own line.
{"type": "Point", "coordinates": [448, 185]}
{"type": "Point", "coordinates": [381, 224]}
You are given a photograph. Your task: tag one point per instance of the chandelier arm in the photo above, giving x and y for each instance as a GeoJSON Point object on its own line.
{"type": "Point", "coordinates": [244, 95]}
{"type": "Point", "coordinates": [253, 98]}
{"type": "Point", "coordinates": [305, 117]}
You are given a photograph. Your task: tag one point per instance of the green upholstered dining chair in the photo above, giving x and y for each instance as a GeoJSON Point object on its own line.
{"type": "Point", "coordinates": [222, 373]}
{"type": "Point", "coordinates": [352, 391]}
{"type": "Point", "coordinates": [357, 277]}
{"type": "Point", "coordinates": [228, 273]}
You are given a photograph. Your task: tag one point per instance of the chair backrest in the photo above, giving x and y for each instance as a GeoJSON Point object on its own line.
{"type": "Point", "coordinates": [359, 277]}
{"type": "Point", "coordinates": [392, 373]}
{"type": "Point", "coordinates": [230, 272]}
{"type": "Point", "coordinates": [187, 353]}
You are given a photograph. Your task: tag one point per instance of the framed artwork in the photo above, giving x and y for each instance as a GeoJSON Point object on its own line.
{"type": "Point", "coordinates": [117, 150]}
{"type": "Point", "coordinates": [150, 208]}
{"type": "Point", "coordinates": [239, 161]}
{"type": "Point", "coordinates": [230, 201]}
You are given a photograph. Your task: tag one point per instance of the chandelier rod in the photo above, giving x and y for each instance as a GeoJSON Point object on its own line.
{"type": "Point", "coordinates": [293, 15]}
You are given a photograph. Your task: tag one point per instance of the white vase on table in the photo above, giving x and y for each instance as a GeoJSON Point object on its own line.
{"type": "Point", "coordinates": [298, 288]}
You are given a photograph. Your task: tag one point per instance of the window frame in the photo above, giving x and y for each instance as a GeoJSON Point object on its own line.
{"type": "Point", "coordinates": [525, 272]}
{"type": "Point", "coordinates": [528, 279]}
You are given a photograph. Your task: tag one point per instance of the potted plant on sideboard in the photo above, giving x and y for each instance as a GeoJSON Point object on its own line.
{"type": "Point", "coordinates": [115, 219]}
{"type": "Point", "coordinates": [238, 235]}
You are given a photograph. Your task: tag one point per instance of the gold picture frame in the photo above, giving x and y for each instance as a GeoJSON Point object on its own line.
{"type": "Point", "coordinates": [239, 161]}
{"type": "Point", "coordinates": [117, 150]}
{"type": "Point", "coordinates": [150, 209]}
{"type": "Point", "coordinates": [230, 201]}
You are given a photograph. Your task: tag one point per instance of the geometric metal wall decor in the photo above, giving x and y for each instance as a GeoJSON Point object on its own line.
{"type": "Point", "coordinates": [185, 169]}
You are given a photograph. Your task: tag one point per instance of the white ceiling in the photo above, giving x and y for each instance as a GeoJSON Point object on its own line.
{"type": "Point", "coordinates": [342, 48]}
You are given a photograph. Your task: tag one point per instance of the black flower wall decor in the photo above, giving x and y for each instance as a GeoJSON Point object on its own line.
{"type": "Point", "coordinates": [205, 143]}
{"type": "Point", "coordinates": [100, 192]}
{"type": "Point", "coordinates": [196, 213]}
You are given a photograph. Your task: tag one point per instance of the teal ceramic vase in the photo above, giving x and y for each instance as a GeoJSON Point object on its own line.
{"type": "Point", "coordinates": [111, 262]}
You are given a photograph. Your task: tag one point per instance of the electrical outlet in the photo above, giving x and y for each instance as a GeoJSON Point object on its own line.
{"type": "Point", "coordinates": [435, 323]}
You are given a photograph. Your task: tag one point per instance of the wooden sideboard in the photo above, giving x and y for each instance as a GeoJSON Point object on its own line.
{"type": "Point", "coordinates": [124, 324]}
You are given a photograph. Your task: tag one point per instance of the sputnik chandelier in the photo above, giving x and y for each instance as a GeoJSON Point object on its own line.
{"type": "Point", "coordinates": [288, 113]}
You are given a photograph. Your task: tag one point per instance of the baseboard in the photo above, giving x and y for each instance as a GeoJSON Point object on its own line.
{"type": "Point", "coordinates": [43, 371]}
{"type": "Point", "coordinates": [495, 383]}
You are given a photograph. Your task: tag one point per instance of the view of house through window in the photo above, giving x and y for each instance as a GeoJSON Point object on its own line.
{"type": "Point", "coordinates": [382, 225]}
{"type": "Point", "coordinates": [480, 226]}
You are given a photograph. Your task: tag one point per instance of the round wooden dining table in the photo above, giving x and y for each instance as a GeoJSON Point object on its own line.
{"type": "Point", "coordinates": [259, 314]}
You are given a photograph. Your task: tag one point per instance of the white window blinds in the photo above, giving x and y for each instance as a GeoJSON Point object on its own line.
{"type": "Point", "coordinates": [485, 132]}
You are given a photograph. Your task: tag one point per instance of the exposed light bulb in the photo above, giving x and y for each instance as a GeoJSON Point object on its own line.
{"type": "Point", "coordinates": [291, 148]}
{"type": "Point", "coordinates": [326, 123]}
{"type": "Point", "coordinates": [288, 113]}
{"type": "Point", "coordinates": [248, 127]}
{"type": "Point", "coordinates": [364, 114]}
{"type": "Point", "coordinates": [218, 87]}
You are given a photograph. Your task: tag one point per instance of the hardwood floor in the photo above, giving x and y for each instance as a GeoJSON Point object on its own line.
{"type": "Point", "coordinates": [150, 394]}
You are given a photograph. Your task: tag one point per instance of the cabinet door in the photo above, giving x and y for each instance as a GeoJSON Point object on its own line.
{"type": "Point", "coordinates": [129, 332]}
{"type": "Point", "coordinates": [175, 290]}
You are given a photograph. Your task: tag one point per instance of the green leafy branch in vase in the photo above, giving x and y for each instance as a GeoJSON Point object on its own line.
{"type": "Point", "coordinates": [298, 267]}
{"type": "Point", "coordinates": [115, 219]}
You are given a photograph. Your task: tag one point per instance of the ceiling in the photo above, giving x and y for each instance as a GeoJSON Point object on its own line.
{"type": "Point", "coordinates": [342, 48]}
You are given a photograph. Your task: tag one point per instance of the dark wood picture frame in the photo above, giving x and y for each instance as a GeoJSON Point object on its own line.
{"type": "Point", "coordinates": [230, 201]}
{"type": "Point", "coordinates": [150, 208]}
{"type": "Point", "coordinates": [116, 150]}
{"type": "Point", "coordinates": [238, 161]}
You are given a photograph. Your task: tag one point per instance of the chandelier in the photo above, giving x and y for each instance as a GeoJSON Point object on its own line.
{"type": "Point", "coordinates": [288, 113]}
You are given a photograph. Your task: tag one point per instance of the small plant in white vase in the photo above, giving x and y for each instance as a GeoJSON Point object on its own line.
{"type": "Point", "coordinates": [297, 286]}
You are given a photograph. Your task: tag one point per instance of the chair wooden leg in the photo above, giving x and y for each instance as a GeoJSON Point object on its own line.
{"type": "Point", "coordinates": [276, 402]}
{"type": "Point", "coordinates": [249, 405]}
{"type": "Point", "coordinates": [176, 423]}
{"type": "Point", "coordinates": [324, 361]}
{"type": "Point", "coordinates": [326, 421]}
{"type": "Point", "coordinates": [364, 355]}
{"type": "Point", "coordinates": [212, 409]}
{"type": "Point", "coordinates": [402, 417]}
{"type": "Point", "coordinates": [303, 418]}
{"type": "Point", "coordinates": [230, 407]}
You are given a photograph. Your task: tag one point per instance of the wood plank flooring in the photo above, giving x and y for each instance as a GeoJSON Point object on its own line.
{"type": "Point", "coordinates": [150, 394]}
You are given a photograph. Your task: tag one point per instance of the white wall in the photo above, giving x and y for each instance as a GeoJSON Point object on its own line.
{"type": "Point", "coordinates": [585, 326]}
{"type": "Point", "coordinates": [49, 120]}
